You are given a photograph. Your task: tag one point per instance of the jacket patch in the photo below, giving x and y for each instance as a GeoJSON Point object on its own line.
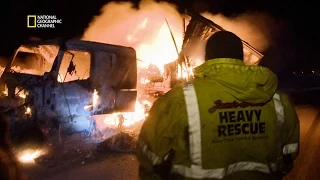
{"type": "Point", "coordinates": [243, 122]}
{"type": "Point", "coordinates": [229, 105]}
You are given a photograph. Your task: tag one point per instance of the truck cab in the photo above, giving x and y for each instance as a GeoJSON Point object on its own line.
{"type": "Point", "coordinates": [64, 83]}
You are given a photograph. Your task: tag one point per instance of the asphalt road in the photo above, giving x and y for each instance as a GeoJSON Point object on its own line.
{"type": "Point", "coordinates": [307, 165]}
{"type": "Point", "coordinates": [121, 167]}
{"type": "Point", "coordinates": [125, 166]}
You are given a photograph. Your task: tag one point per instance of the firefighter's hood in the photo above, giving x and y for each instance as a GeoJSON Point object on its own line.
{"type": "Point", "coordinates": [252, 84]}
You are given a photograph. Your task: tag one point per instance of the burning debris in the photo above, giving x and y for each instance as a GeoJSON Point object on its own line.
{"type": "Point", "coordinates": [30, 143]}
{"type": "Point", "coordinates": [121, 142]}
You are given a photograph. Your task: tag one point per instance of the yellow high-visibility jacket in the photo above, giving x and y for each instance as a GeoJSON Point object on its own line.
{"type": "Point", "coordinates": [228, 123]}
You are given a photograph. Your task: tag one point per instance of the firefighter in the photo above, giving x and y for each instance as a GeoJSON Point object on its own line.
{"type": "Point", "coordinates": [228, 123]}
{"type": "Point", "coordinates": [121, 120]}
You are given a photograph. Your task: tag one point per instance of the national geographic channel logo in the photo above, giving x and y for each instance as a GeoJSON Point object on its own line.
{"type": "Point", "coordinates": [42, 21]}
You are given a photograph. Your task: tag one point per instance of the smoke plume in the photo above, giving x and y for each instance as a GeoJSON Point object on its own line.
{"type": "Point", "coordinates": [144, 29]}
{"type": "Point", "coordinates": [258, 29]}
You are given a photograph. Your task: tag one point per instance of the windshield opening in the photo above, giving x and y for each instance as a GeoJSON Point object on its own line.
{"type": "Point", "coordinates": [34, 60]}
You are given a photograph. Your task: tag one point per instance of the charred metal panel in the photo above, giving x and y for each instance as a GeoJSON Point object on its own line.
{"type": "Point", "coordinates": [9, 103]}
{"type": "Point", "coordinates": [64, 99]}
{"type": "Point", "coordinates": [114, 75]}
{"type": "Point", "coordinates": [78, 124]}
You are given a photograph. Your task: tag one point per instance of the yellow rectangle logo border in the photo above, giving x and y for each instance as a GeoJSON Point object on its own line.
{"type": "Point", "coordinates": [28, 21]}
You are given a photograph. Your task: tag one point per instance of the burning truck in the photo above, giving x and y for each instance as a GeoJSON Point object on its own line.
{"type": "Point", "coordinates": [83, 86]}
{"type": "Point", "coordinates": [64, 84]}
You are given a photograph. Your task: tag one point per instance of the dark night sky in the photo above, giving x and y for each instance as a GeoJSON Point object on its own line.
{"type": "Point", "coordinates": [299, 45]}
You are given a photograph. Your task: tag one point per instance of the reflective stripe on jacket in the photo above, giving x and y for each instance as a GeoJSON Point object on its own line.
{"type": "Point", "coordinates": [213, 132]}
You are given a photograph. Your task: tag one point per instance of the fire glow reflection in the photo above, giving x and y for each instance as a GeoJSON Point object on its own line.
{"type": "Point", "coordinates": [29, 155]}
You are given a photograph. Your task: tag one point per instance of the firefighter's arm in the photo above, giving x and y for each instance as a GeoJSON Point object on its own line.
{"type": "Point", "coordinates": [157, 136]}
{"type": "Point", "coordinates": [291, 134]}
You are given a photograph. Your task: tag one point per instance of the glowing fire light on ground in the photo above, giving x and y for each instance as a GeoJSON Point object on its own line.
{"type": "Point", "coordinates": [29, 155]}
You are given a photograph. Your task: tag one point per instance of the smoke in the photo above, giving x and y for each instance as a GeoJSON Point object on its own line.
{"type": "Point", "coordinates": [121, 24]}
{"type": "Point", "coordinates": [144, 29]}
{"type": "Point", "coordinates": [258, 29]}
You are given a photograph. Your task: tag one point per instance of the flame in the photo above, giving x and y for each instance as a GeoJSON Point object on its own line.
{"type": "Point", "coordinates": [184, 72]}
{"type": "Point", "coordinates": [131, 118]}
{"type": "Point", "coordinates": [144, 80]}
{"type": "Point", "coordinates": [145, 30]}
{"type": "Point", "coordinates": [59, 78]}
{"type": "Point", "coordinates": [88, 107]}
{"type": "Point", "coordinates": [148, 33]}
{"type": "Point", "coordinates": [160, 49]}
{"type": "Point", "coordinates": [29, 155]}
{"type": "Point", "coordinates": [28, 111]}
{"type": "Point", "coordinates": [95, 98]}
{"type": "Point", "coordinates": [22, 96]}
{"type": "Point", "coordinates": [19, 92]}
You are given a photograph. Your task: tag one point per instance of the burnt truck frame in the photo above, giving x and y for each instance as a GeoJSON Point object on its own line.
{"type": "Point", "coordinates": [112, 74]}
{"type": "Point", "coordinates": [199, 30]}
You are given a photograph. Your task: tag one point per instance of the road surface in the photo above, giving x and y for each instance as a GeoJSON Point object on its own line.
{"type": "Point", "coordinates": [125, 166]}
{"type": "Point", "coordinates": [307, 165]}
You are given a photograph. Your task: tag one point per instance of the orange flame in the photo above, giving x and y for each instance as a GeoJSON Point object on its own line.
{"type": "Point", "coordinates": [95, 98]}
{"type": "Point", "coordinates": [145, 30]}
{"type": "Point", "coordinates": [28, 111]}
{"type": "Point", "coordinates": [19, 92]}
{"type": "Point", "coordinates": [130, 117]}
